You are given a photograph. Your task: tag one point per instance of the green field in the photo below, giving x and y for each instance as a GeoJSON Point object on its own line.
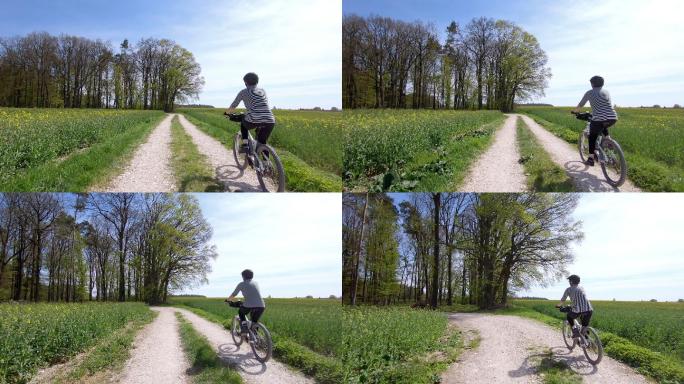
{"type": "Point", "coordinates": [391, 345]}
{"type": "Point", "coordinates": [652, 139]}
{"type": "Point", "coordinates": [308, 142]}
{"type": "Point", "coordinates": [38, 335]}
{"type": "Point", "coordinates": [65, 150]}
{"type": "Point", "coordinates": [420, 150]}
{"type": "Point", "coordinates": [306, 332]}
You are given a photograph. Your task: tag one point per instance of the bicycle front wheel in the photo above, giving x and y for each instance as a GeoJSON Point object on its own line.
{"type": "Point", "coordinates": [567, 335]}
{"type": "Point", "coordinates": [583, 146]}
{"type": "Point", "coordinates": [235, 331]}
{"type": "Point", "coordinates": [269, 170]}
{"type": "Point", "coordinates": [240, 159]}
{"type": "Point", "coordinates": [594, 351]}
{"type": "Point", "coordinates": [261, 343]}
{"type": "Point", "coordinates": [614, 167]}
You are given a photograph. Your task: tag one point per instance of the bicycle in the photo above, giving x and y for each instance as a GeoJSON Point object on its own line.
{"type": "Point", "coordinates": [588, 339]}
{"type": "Point", "coordinates": [257, 335]}
{"type": "Point", "coordinates": [261, 157]}
{"type": "Point", "coordinates": [608, 152]}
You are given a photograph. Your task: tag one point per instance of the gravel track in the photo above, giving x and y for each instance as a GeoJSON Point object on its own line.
{"type": "Point", "coordinates": [585, 178]}
{"type": "Point", "coordinates": [511, 347]}
{"type": "Point", "coordinates": [498, 170]}
{"type": "Point", "coordinates": [158, 355]}
{"type": "Point", "coordinates": [150, 169]}
{"type": "Point", "coordinates": [222, 160]}
{"type": "Point", "coordinates": [252, 371]}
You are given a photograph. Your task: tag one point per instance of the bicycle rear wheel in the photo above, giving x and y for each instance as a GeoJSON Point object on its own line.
{"type": "Point", "coordinates": [593, 352]}
{"type": "Point", "coordinates": [567, 335]}
{"type": "Point", "coordinates": [235, 331]}
{"type": "Point", "coordinates": [270, 171]}
{"type": "Point", "coordinates": [614, 167]}
{"type": "Point", "coordinates": [240, 159]}
{"type": "Point", "coordinates": [261, 343]}
{"type": "Point", "coordinates": [583, 146]}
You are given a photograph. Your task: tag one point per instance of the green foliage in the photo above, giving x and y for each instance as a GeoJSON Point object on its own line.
{"type": "Point", "coordinates": [301, 331]}
{"type": "Point", "coordinates": [308, 143]}
{"type": "Point", "coordinates": [543, 175]}
{"type": "Point", "coordinates": [403, 150]}
{"type": "Point", "coordinates": [206, 366]}
{"type": "Point", "coordinates": [396, 345]}
{"type": "Point", "coordinates": [652, 140]}
{"type": "Point", "coordinates": [193, 172]}
{"type": "Point", "coordinates": [35, 335]}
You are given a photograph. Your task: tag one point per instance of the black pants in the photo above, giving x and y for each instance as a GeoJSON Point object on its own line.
{"type": "Point", "coordinates": [585, 317]}
{"type": "Point", "coordinates": [254, 313]}
{"type": "Point", "coordinates": [596, 128]}
{"type": "Point", "coordinates": [263, 130]}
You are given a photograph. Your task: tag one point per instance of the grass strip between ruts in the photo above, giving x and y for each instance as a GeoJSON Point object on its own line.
{"type": "Point", "coordinates": [543, 175]}
{"type": "Point", "coordinates": [191, 168]}
{"type": "Point", "coordinates": [206, 366]}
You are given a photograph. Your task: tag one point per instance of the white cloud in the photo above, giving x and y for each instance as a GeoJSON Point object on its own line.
{"type": "Point", "coordinates": [632, 248]}
{"type": "Point", "coordinates": [291, 241]}
{"type": "Point", "coordinates": [638, 46]}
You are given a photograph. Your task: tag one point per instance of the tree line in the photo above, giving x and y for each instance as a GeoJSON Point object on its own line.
{"type": "Point", "coordinates": [41, 70]}
{"type": "Point", "coordinates": [486, 64]}
{"type": "Point", "coordinates": [104, 247]}
{"type": "Point", "coordinates": [445, 248]}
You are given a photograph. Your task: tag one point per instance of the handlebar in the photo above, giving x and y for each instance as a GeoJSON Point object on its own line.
{"type": "Point", "coordinates": [237, 117]}
{"type": "Point", "coordinates": [563, 308]}
{"type": "Point", "coordinates": [586, 116]}
{"type": "Point", "coordinates": [234, 304]}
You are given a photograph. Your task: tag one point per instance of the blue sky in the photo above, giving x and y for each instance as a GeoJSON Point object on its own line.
{"type": "Point", "coordinates": [294, 46]}
{"type": "Point", "coordinates": [632, 249]}
{"type": "Point", "coordinates": [637, 46]}
{"type": "Point", "coordinates": [291, 241]}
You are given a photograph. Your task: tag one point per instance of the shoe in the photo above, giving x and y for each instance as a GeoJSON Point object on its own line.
{"type": "Point", "coordinates": [243, 148]}
{"type": "Point", "coordinates": [590, 162]}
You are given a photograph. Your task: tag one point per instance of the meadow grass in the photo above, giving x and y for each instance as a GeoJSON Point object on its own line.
{"type": "Point", "coordinates": [191, 169]}
{"type": "Point", "coordinates": [417, 150]}
{"type": "Point", "coordinates": [312, 165]}
{"type": "Point", "coordinates": [38, 335]}
{"type": "Point", "coordinates": [206, 366]}
{"type": "Point", "coordinates": [542, 174]}
{"type": "Point", "coordinates": [652, 140]}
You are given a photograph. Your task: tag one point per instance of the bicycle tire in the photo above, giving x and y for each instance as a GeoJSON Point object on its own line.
{"type": "Point", "coordinates": [235, 331]}
{"type": "Point", "coordinates": [583, 146]}
{"type": "Point", "coordinates": [262, 345]}
{"type": "Point", "coordinates": [593, 339]}
{"type": "Point", "coordinates": [567, 335]}
{"type": "Point", "coordinates": [619, 158]}
{"type": "Point", "coordinates": [273, 179]}
{"type": "Point", "coordinates": [237, 142]}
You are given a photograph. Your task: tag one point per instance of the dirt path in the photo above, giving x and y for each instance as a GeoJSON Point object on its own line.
{"type": "Point", "coordinates": [498, 170]}
{"type": "Point", "coordinates": [150, 169]}
{"type": "Point", "coordinates": [585, 178]}
{"type": "Point", "coordinates": [222, 160]}
{"type": "Point", "coordinates": [252, 371]}
{"type": "Point", "coordinates": [512, 346]}
{"type": "Point", "coordinates": [158, 355]}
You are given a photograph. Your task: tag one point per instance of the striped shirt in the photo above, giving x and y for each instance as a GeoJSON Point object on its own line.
{"type": "Point", "coordinates": [256, 103]}
{"type": "Point", "coordinates": [580, 303]}
{"type": "Point", "coordinates": [601, 106]}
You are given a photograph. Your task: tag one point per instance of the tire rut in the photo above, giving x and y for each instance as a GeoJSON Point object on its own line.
{"type": "Point", "coordinates": [498, 170]}
{"type": "Point", "coordinates": [512, 347]}
{"type": "Point", "coordinates": [585, 178]}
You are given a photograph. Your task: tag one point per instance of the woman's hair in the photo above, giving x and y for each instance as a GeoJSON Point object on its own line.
{"type": "Point", "coordinates": [596, 81]}
{"type": "Point", "coordinates": [247, 274]}
{"type": "Point", "coordinates": [251, 78]}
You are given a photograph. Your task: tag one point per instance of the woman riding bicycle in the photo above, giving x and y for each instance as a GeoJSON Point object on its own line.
{"type": "Point", "coordinates": [604, 114]}
{"type": "Point", "coordinates": [253, 304]}
{"type": "Point", "coordinates": [258, 114]}
{"type": "Point", "coordinates": [581, 307]}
